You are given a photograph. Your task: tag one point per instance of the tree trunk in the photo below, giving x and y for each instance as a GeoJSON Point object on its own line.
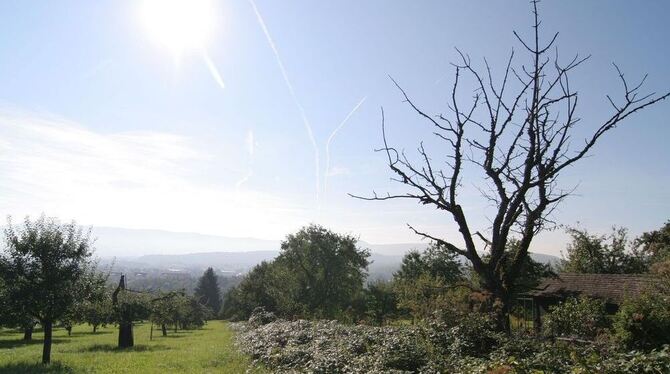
{"type": "Point", "coordinates": [501, 308]}
{"type": "Point", "coordinates": [46, 348]}
{"type": "Point", "coordinates": [164, 329]}
{"type": "Point", "coordinates": [69, 330]}
{"type": "Point", "coordinates": [126, 335]}
{"type": "Point", "coordinates": [95, 328]}
{"type": "Point", "coordinates": [28, 333]}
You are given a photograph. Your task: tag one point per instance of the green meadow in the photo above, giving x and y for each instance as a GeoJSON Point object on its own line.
{"type": "Point", "coordinates": [207, 350]}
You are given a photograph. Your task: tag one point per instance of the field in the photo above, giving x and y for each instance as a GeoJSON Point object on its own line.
{"type": "Point", "coordinates": [208, 350]}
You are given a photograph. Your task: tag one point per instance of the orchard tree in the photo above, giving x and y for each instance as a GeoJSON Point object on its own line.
{"type": "Point", "coordinates": [13, 314]}
{"type": "Point", "coordinates": [208, 292]}
{"type": "Point", "coordinates": [518, 135]}
{"type": "Point", "coordinates": [43, 266]}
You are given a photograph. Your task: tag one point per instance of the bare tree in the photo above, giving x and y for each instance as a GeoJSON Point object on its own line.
{"type": "Point", "coordinates": [517, 133]}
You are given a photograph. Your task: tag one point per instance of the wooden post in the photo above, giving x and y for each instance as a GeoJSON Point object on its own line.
{"type": "Point", "coordinates": [537, 318]}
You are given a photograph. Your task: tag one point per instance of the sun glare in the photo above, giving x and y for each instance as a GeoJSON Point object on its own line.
{"type": "Point", "coordinates": [179, 25]}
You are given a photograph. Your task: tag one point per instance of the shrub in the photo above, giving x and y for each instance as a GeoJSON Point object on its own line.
{"type": "Point", "coordinates": [579, 318]}
{"type": "Point", "coordinates": [260, 316]}
{"type": "Point", "coordinates": [644, 323]}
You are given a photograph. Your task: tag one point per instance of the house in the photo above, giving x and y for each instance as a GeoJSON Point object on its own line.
{"type": "Point", "coordinates": [613, 289]}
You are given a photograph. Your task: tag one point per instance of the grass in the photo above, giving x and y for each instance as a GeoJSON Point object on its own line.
{"type": "Point", "coordinates": [207, 350]}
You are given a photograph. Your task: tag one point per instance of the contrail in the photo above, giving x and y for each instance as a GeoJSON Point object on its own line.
{"type": "Point", "coordinates": [250, 143]}
{"type": "Point", "coordinates": [332, 136]}
{"type": "Point", "coordinates": [305, 121]}
{"type": "Point", "coordinates": [244, 179]}
{"type": "Point", "coordinates": [213, 70]}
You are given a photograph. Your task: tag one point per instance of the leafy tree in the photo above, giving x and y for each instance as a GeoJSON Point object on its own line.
{"type": "Point", "coordinates": [655, 244]}
{"type": "Point", "coordinates": [602, 254]}
{"type": "Point", "coordinates": [13, 314]}
{"type": "Point", "coordinates": [427, 296]}
{"type": "Point", "coordinates": [381, 302]}
{"type": "Point", "coordinates": [162, 310]}
{"type": "Point", "coordinates": [97, 313]}
{"type": "Point", "coordinates": [424, 283]}
{"type": "Point", "coordinates": [325, 270]}
{"type": "Point", "coordinates": [517, 137]}
{"type": "Point", "coordinates": [208, 291]}
{"type": "Point", "coordinates": [43, 265]}
{"type": "Point", "coordinates": [318, 273]}
{"type": "Point", "coordinates": [94, 283]}
{"type": "Point", "coordinates": [253, 291]}
{"type": "Point", "coordinates": [435, 261]}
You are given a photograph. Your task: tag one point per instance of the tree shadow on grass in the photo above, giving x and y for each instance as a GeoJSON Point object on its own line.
{"type": "Point", "coordinates": [91, 333]}
{"type": "Point", "coordinates": [35, 368]}
{"type": "Point", "coordinates": [115, 349]}
{"type": "Point", "coordinates": [178, 334]}
{"type": "Point", "coordinates": [15, 343]}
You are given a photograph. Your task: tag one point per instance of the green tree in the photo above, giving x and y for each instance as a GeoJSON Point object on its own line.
{"type": "Point", "coordinates": [381, 302]}
{"type": "Point", "coordinates": [425, 282]}
{"type": "Point", "coordinates": [254, 290]}
{"type": "Point", "coordinates": [14, 315]}
{"type": "Point", "coordinates": [435, 261]}
{"type": "Point", "coordinates": [603, 254]}
{"type": "Point", "coordinates": [97, 313]}
{"type": "Point", "coordinates": [655, 244]}
{"type": "Point", "coordinates": [43, 265]}
{"type": "Point", "coordinates": [208, 291]}
{"type": "Point", "coordinates": [323, 270]}
{"type": "Point", "coordinates": [318, 273]}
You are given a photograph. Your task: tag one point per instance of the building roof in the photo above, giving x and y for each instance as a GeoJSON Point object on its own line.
{"type": "Point", "coordinates": [609, 287]}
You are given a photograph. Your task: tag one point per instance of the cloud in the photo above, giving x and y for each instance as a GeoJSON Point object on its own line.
{"type": "Point", "coordinates": [127, 179]}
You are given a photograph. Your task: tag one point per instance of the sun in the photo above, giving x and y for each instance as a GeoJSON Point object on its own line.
{"type": "Point", "coordinates": [179, 25]}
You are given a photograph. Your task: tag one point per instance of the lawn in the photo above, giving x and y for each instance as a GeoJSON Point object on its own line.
{"type": "Point", "coordinates": [207, 350]}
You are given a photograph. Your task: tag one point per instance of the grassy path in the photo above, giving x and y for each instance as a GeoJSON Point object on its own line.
{"type": "Point", "coordinates": [208, 350]}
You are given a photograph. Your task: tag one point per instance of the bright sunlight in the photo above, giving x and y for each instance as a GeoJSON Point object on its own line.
{"type": "Point", "coordinates": [179, 25]}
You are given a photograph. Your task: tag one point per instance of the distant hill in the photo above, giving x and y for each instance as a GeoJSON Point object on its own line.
{"type": "Point", "coordinates": [119, 242]}
{"type": "Point", "coordinates": [156, 249]}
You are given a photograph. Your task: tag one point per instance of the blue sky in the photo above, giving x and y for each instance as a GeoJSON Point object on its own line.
{"type": "Point", "coordinates": [101, 124]}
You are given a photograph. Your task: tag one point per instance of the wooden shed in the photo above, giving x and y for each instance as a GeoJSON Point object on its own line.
{"type": "Point", "coordinates": [613, 289]}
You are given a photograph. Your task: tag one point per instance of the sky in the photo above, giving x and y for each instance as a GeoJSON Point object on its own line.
{"type": "Point", "coordinates": [267, 123]}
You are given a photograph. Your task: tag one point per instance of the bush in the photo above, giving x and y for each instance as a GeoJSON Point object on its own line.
{"type": "Point", "coordinates": [578, 318]}
{"type": "Point", "coordinates": [261, 317]}
{"type": "Point", "coordinates": [330, 347]}
{"type": "Point", "coordinates": [644, 323]}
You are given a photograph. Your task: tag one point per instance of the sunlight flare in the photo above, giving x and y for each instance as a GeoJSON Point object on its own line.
{"type": "Point", "coordinates": [179, 25]}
